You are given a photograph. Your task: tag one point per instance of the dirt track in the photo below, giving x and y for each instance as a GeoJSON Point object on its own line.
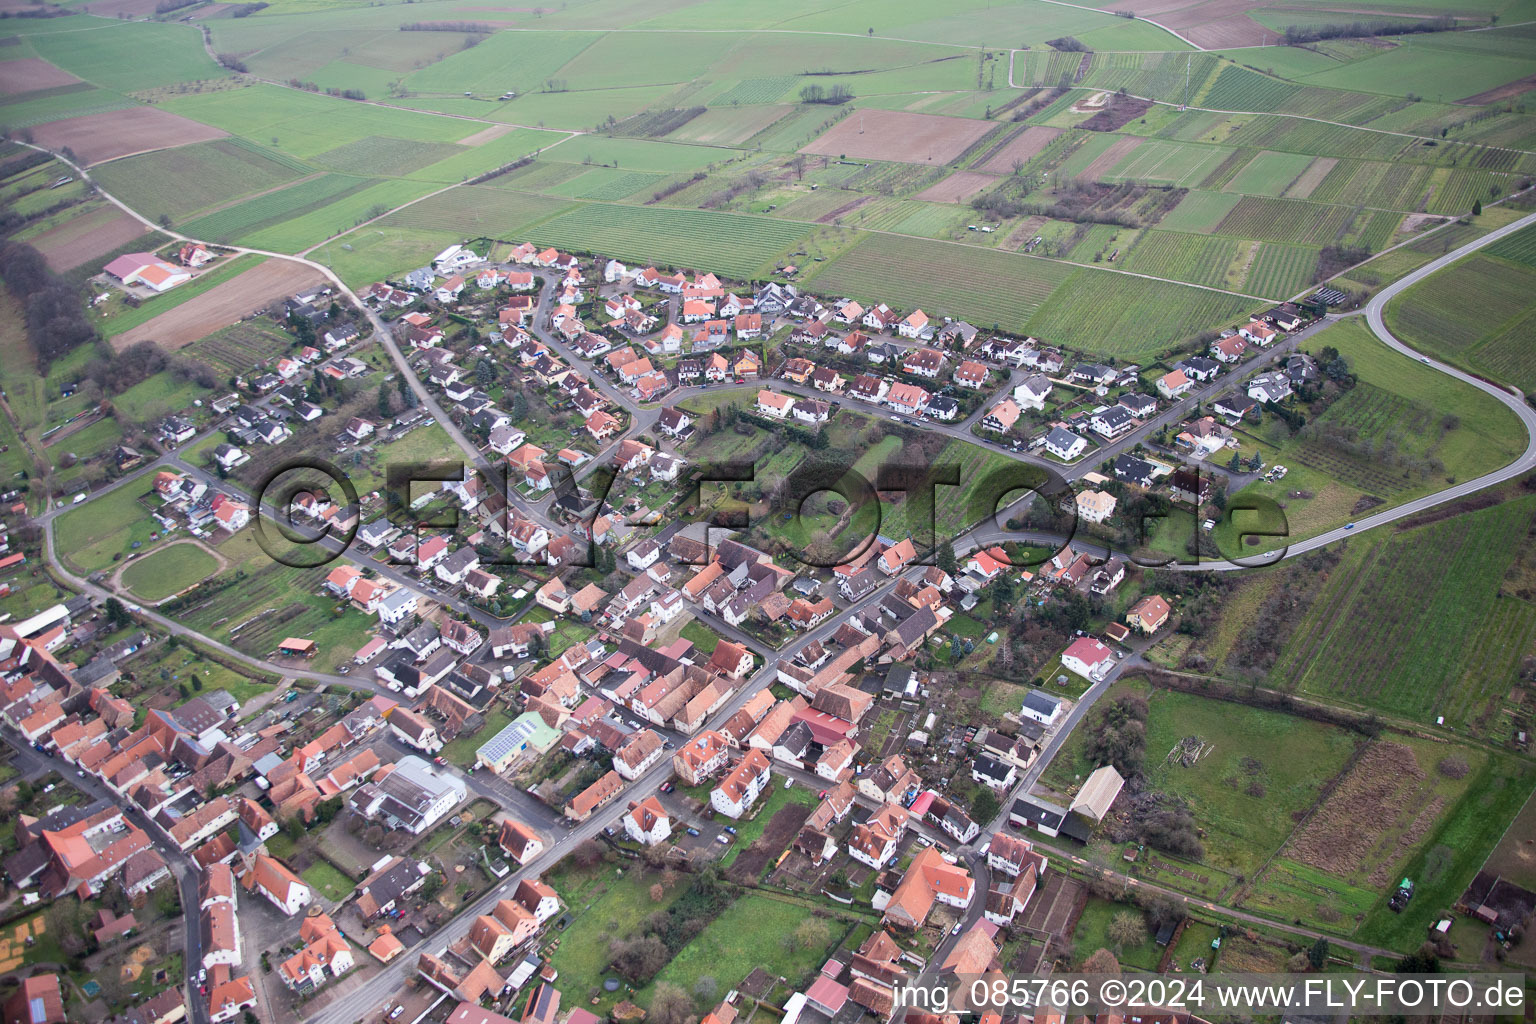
{"type": "Point", "coordinates": [201, 315]}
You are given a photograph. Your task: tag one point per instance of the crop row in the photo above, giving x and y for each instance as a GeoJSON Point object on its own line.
{"type": "Point", "coordinates": [1198, 259]}
{"type": "Point", "coordinates": [1117, 314]}
{"type": "Point", "coordinates": [1280, 271]}
{"type": "Point", "coordinates": [254, 214]}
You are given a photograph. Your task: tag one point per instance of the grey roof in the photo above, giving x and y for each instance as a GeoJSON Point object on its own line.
{"type": "Point", "coordinates": [1041, 702]}
{"type": "Point", "coordinates": [1058, 438]}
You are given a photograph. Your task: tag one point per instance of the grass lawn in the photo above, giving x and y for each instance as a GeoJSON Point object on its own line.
{"type": "Point", "coordinates": [91, 533]}
{"type": "Point", "coordinates": [462, 750]}
{"type": "Point", "coordinates": [327, 880]}
{"type": "Point", "coordinates": [749, 934]}
{"type": "Point", "coordinates": [751, 831]}
{"type": "Point", "coordinates": [701, 636]}
{"type": "Point", "coordinates": [169, 570]}
{"type": "Point", "coordinates": [1093, 934]}
{"type": "Point", "coordinates": [604, 906]}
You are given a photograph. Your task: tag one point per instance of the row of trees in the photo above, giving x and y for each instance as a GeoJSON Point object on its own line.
{"type": "Point", "coordinates": [55, 315]}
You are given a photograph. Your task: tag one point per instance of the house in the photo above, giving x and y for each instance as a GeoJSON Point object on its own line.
{"type": "Point", "coordinates": [1174, 384]}
{"type": "Point", "coordinates": [770, 403]}
{"type": "Point", "coordinates": [906, 398]}
{"type": "Point", "coordinates": [1199, 368]}
{"type": "Point", "coordinates": [647, 822]}
{"type": "Point", "coordinates": [409, 795]}
{"type": "Point", "coordinates": [1001, 417]}
{"type": "Point", "coordinates": [1269, 387]}
{"type": "Point", "coordinates": [1033, 392]}
{"type": "Point", "coordinates": [269, 877]}
{"type": "Point", "coordinates": [643, 555]}
{"type": "Point", "coordinates": [1149, 614]}
{"type": "Point", "coordinates": [1095, 506]}
{"type": "Point", "coordinates": [583, 804]}
{"type": "Point", "coordinates": [1230, 349]}
{"type": "Point", "coordinates": [897, 557]}
{"type": "Point", "coordinates": [869, 388]}
{"type": "Point", "coordinates": [994, 773]}
{"type": "Point", "coordinates": [749, 325]}
{"type": "Point", "coordinates": [1132, 470]}
{"type": "Point", "coordinates": [1092, 374]}
{"type": "Point", "coordinates": [926, 362]}
{"type": "Point", "coordinates": [1257, 333]}
{"type": "Point", "coordinates": [971, 374]}
{"type": "Point", "coordinates": [741, 787]}
{"type": "Point", "coordinates": [1041, 707]}
{"type": "Point", "coordinates": [880, 317]}
{"type": "Point", "coordinates": [1190, 486]}
{"type": "Point", "coordinates": [1088, 658]}
{"type": "Point", "coordinates": [1112, 422]}
{"type": "Point", "coordinates": [913, 325]}
{"type": "Point", "coordinates": [812, 410]}
{"type": "Point", "coordinates": [942, 407]}
{"type": "Point", "coordinates": [1233, 407]}
{"type": "Point", "coordinates": [148, 270]}
{"type": "Point", "coordinates": [929, 879]}
{"type": "Point", "coordinates": [1064, 444]}
{"type": "Point", "coordinates": [1139, 406]}
{"type": "Point", "coordinates": [519, 842]}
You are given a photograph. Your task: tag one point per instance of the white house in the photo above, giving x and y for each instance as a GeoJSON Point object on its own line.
{"type": "Point", "coordinates": [1064, 444]}
{"type": "Point", "coordinates": [745, 783]}
{"type": "Point", "coordinates": [1088, 658]}
{"type": "Point", "coordinates": [647, 822]}
{"type": "Point", "coordinates": [1033, 392]}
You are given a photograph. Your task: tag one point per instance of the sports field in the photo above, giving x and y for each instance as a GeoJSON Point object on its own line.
{"type": "Point", "coordinates": [169, 570]}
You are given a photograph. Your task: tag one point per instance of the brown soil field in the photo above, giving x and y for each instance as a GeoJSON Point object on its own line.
{"type": "Point", "coordinates": [99, 137]}
{"type": "Point", "coordinates": [30, 74]}
{"type": "Point", "coordinates": [1240, 30]}
{"type": "Point", "coordinates": [203, 314]}
{"type": "Point", "coordinates": [899, 135]}
{"type": "Point", "coordinates": [1312, 177]}
{"type": "Point", "coordinates": [831, 215]}
{"type": "Point", "coordinates": [1107, 160]}
{"type": "Point", "coordinates": [778, 834]}
{"type": "Point", "coordinates": [87, 236]}
{"type": "Point", "coordinates": [956, 188]}
{"type": "Point", "coordinates": [485, 135]}
{"type": "Point", "coordinates": [1507, 91]}
{"type": "Point", "coordinates": [1214, 24]}
{"type": "Point", "coordinates": [1342, 836]}
{"type": "Point", "coordinates": [1022, 149]}
{"type": "Point", "coordinates": [112, 8]}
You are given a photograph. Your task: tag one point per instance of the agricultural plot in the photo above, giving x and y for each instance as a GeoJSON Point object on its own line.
{"type": "Point", "coordinates": [1269, 174]}
{"type": "Point", "coordinates": [899, 135]}
{"type": "Point", "coordinates": [351, 208]}
{"type": "Point", "coordinates": [173, 183]}
{"type": "Point", "coordinates": [983, 285]}
{"type": "Point", "coordinates": [607, 184]}
{"type": "Point", "coordinates": [1479, 302]}
{"type": "Point", "coordinates": [730, 243]}
{"type": "Point", "coordinates": [1130, 317]}
{"type": "Point", "coordinates": [1391, 633]}
{"type": "Point", "coordinates": [246, 218]}
{"type": "Point", "coordinates": [95, 138]}
{"type": "Point", "coordinates": [240, 347]}
{"type": "Point", "coordinates": [639, 154]}
{"type": "Point", "coordinates": [1167, 163]}
{"type": "Point", "coordinates": [237, 297]}
{"type": "Point", "coordinates": [379, 155]}
{"type": "Point", "coordinates": [1280, 270]}
{"type": "Point", "coordinates": [128, 56]}
{"type": "Point", "coordinates": [1238, 88]}
{"type": "Point", "coordinates": [520, 61]}
{"type": "Point", "coordinates": [750, 91]}
{"type": "Point", "coordinates": [169, 570]}
{"type": "Point", "coordinates": [1200, 212]}
{"type": "Point", "coordinates": [94, 232]}
{"type": "Point", "coordinates": [718, 127]}
{"type": "Point", "coordinates": [1198, 259]}
{"type": "Point", "coordinates": [1286, 220]}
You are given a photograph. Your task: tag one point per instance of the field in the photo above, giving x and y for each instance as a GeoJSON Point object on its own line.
{"type": "Point", "coordinates": [1197, 259]}
{"type": "Point", "coordinates": [1259, 770]}
{"type": "Point", "coordinates": [1391, 628]}
{"type": "Point", "coordinates": [99, 137]}
{"type": "Point", "coordinates": [169, 570]}
{"type": "Point", "coordinates": [1130, 316]}
{"type": "Point", "coordinates": [90, 535]}
{"type": "Point", "coordinates": [30, 74]}
{"type": "Point", "coordinates": [86, 236]}
{"type": "Point", "coordinates": [1020, 150]}
{"type": "Point", "coordinates": [174, 183]}
{"type": "Point", "coordinates": [730, 244]}
{"type": "Point", "coordinates": [898, 135]}
{"type": "Point", "coordinates": [1473, 313]}
{"type": "Point", "coordinates": [252, 290]}
{"type": "Point", "coordinates": [239, 347]}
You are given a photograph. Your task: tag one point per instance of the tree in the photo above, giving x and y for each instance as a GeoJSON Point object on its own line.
{"type": "Point", "coordinates": [1127, 928]}
{"type": "Point", "coordinates": [986, 807]}
{"type": "Point", "coordinates": [1477, 207]}
{"type": "Point", "coordinates": [706, 987]}
{"type": "Point", "coordinates": [657, 892]}
{"type": "Point", "coordinates": [640, 959]}
{"type": "Point", "coordinates": [946, 558]}
{"type": "Point", "coordinates": [384, 401]}
{"type": "Point", "coordinates": [670, 1005]}
{"type": "Point", "coordinates": [1317, 956]}
{"type": "Point", "coordinates": [1101, 962]}
{"type": "Point", "coordinates": [812, 933]}
{"type": "Point", "coordinates": [117, 614]}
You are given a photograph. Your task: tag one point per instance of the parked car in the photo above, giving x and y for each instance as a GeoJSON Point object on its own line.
{"type": "Point", "coordinates": [723, 839]}
{"type": "Point", "coordinates": [693, 831]}
{"type": "Point", "coordinates": [667, 787]}
{"type": "Point", "coordinates": [731, 829]}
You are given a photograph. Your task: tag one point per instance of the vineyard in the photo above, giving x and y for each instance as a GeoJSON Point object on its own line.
{"type": "Point", "coordinates": [1170, 163]}
{"type": "Point", "coordinates": [1286, 220]}
{"type": "Point", "coordinates": [742, 247]}
{"type": "Point", "coordinates": [1507, 355]}
{"type": "Point", "coordinates": [1237, 88]}
{"type": "Point", "coordinates": [755, 90]}
{"type": "Point", "coordinates": [608, 184]}
{"type": "Point", "coordinates": [1120, 315]}
{"type": "Point", "coordinates": [479, 210]}
{"type": "Point", "coordinates": [980, 285]}
{"type": "Point", "coordinates": [380, 156]}
{"type": "Point", "coordinates": [274, 207]}
{"type": "Point", "coordinates": [176, 182]}
{"type": "Point", "coordinates": [1280, 270]}
{"type": "Point", "coordinates": [1198, 259]}
{"type": "Point", "coordinates": [237, 348]}
{"type": "Point", "coordinates": [1519, 247]}
{"type": "Point", "coordinates": [1457, 307]}
{"type": "Point", "coordinates": [1398, 641]}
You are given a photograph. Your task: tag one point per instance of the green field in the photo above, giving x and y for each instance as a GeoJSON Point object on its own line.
{"type": "Point", "coordinates": [91, 534]}
{"type": "Point", "coordinates": [169, 570]}
{"type": "Point", "coordinates": [1475, 313]}
{"type": "Point", "coordinates": [176, 182]}
{"type": "Point", "coordinates": [127, 57]}
{"type": "Point", "coordinates": [1392, 628]}
{"type": "Point", "coordinates": [1128, 316]}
